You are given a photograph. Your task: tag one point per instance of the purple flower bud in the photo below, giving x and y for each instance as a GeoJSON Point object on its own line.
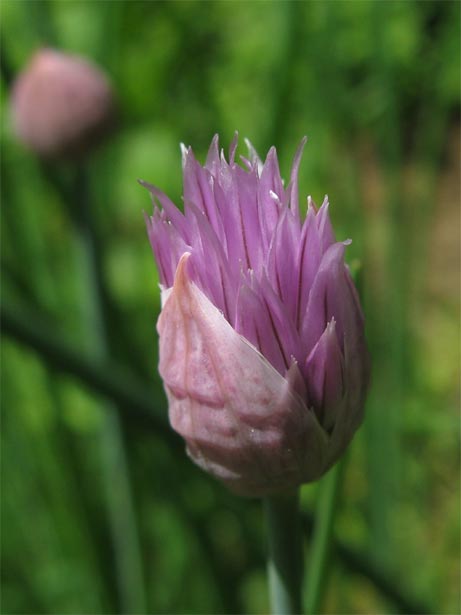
{"type": "Point", "coordinates": [262, 348]}
{"type": "Point", "coordinates": [61, 105]}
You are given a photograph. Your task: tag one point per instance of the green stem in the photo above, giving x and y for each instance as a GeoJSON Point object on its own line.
{"type": "Point", "coordinates": [322, 538]}
{"type": "Point", "coordinates": [285, 558]}
{"type": "Point", "coordinates": [121, 511]}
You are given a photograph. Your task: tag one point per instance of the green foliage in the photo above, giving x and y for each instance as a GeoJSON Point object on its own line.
{"type": "Point", "coordinates": [375, 86]}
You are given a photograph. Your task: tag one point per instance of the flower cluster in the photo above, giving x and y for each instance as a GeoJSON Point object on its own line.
{"type": "Point", "coordinates": [262, 348]}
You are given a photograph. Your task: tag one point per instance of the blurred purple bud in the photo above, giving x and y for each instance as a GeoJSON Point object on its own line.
{"type": "Point", "coordinates": [62, 106]}
{"type": "Point", "coordinates": [262, 347]}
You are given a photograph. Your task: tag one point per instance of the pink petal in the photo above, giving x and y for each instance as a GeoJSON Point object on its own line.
{"type": "Point", "coordinates": [324, 372]}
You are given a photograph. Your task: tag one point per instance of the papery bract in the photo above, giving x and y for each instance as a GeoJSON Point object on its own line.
{"type": "Point", "coordinates": [262, 348]}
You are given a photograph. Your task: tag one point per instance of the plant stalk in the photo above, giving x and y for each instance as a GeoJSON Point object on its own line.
{"type": "Point", "coordinates": [121, 511]}
{"type": "Point", "coordinates": [285, 556]}
{"type": "Point", "coordinates": [322, 538]}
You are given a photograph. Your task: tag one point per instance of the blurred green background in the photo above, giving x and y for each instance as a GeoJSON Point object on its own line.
{"type": "Point", "coordinates": [102, 512]}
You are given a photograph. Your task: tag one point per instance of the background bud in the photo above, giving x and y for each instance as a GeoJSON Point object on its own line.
{"type": "Point", "coordinates": [62, 106]}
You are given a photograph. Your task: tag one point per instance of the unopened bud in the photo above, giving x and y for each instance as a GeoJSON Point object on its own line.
{"type": "Point", "coordinates": [262, 341]}
{"type": "Point", "coordinates": [62, 106]}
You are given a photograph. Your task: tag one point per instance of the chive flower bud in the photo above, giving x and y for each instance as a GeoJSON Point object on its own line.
{"type": "Point", "coordinates": [262, 347]}
{"type": "Point", "coordinates": [62, 106]}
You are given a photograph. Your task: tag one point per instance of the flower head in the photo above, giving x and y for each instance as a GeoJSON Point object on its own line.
{"type": "Point", "coordinates": [61, 105]}
{"type": "Point", "coordinates": [262, 348]}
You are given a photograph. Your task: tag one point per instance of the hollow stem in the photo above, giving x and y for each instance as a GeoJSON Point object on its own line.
{"type": "Point", "coordinates": [121, 512]}
{"type": "Point", "coordinates": [285, 556]}
{"type": "Point", "coordinates": [321, 540]}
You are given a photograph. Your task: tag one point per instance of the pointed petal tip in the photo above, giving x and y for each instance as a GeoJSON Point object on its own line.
{"type": "Point", "coordinates": [151, 188]}
{"type": "Point", "coordinates": [298, 154]}
{"type": "Point", "coordinates": [233, 147]}
{"type": "Point", "coordinates": [181, 275]}
{"type": "Point", "coordinates": [185, 152]}
{"type": "Point", "coordinates": [254, 156]}
{"type": "Point", "coordinates": [181, 281]}
{"type": "Point", "coordinates": [214, 146]}
{"type": "Point", "coordinates": [323, 212]}
{"type": "Point", "coordinates": [251, 149]}
{"type": "Point", "coordinates": [300, 149]}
